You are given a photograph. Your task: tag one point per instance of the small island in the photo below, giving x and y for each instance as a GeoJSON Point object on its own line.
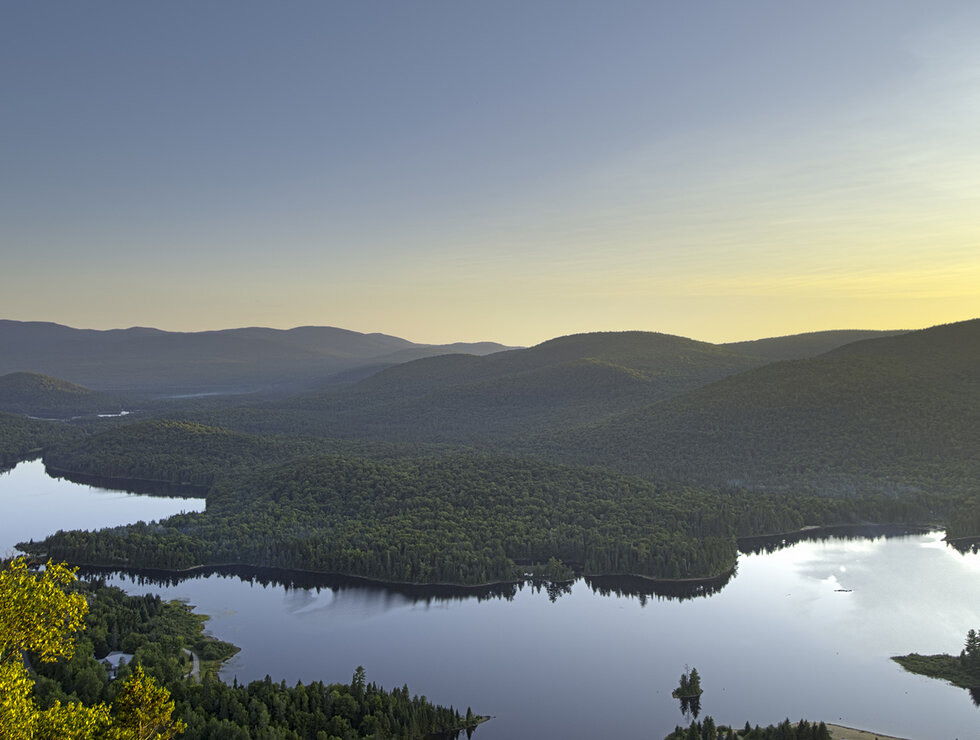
{"type": "Point", "coordinates": [690, 685]}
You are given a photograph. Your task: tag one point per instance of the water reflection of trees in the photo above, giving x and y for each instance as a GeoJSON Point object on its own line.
{"type": "Point", "coordinates": [691, 706]}
{"type": "Point", "coordinates": [621, 586]}
{"type": "Point", "coordinates": [555, 590]}
{"type": "Point", "coordinates": [965, 545]}
{"type": "Point", "coordinates": [163, 489]}
{"type": "Point", "coordinates": [299, 580]}
{"type": "Point", "coordinates": [646, 588]}
{"type": "Point", "coordinates": [767, 544]}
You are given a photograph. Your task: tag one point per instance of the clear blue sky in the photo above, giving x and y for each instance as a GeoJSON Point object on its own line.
{"type": "Point", "coordinates": [509, 170]}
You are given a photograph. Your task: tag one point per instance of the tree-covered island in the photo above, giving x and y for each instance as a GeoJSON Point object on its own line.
{"type": "Point", "coordinates": [689, 685]}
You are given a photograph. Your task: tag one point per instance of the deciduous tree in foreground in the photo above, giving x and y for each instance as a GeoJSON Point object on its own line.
{"type": "Point", "coordinates": [38, 616]}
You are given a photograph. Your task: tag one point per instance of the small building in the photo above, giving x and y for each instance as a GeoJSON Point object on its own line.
{"type": "Point", "coordinates": [114, 661]}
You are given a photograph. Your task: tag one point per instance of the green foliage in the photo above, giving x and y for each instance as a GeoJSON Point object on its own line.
{"type": "Point", "coordinates": [463, 519]}
{"type": "Point", "coordinates": [970, 657]}
{"type": "Point", "coordinates": [449, 518]}
{"type": "Point", "coordinates": [359, 709]}
{"type": "Point", "coordinates": [39, 616]}
{"type": "Point", "coordinates": [21, 438]}
{"type": "Point", "coordinates": [45, 397]}
{"type": "Point", "coordinates": [962, 670]}
{"type": "Point", "coordinates": [493, 399]}
{"type": "Point", "coordinates": [168, 451]}
{"type": "Point", "coordinates": [143, 710]}
{"type": "Point", "coordinates": [883, 432]}
{"type": "Point", "coordinates": [158, 632]}
{"type": "Point", "coordinates": [689, 685]}
{"type": "Point", "coordinates": [896, 415]}
{"type": "Point", "coordinates": [802, 346]}
{"type": "Point", "coordinates": [785, 730]}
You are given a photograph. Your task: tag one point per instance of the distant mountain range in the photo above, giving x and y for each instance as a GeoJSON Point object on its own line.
{"type": "Point", "coordinates": [878, 410]}
{"type": "Point", "coordinates": [228, 361]}
{"type": "Point", "coordinates": [510, 397]}
{"type": "Point", "coordinates": [829, 411]}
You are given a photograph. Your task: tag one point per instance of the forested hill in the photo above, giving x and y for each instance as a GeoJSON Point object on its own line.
{"type": "Point", "coordinates": [948, 349]}
{"type": "Point", "coordinates": [232, 360]}
{"type": "Point", "coordinates": [901, 410]}
{"type": "Point", "coordinates": [450, 518]}
{"type": "Point", "coordinates": [44, 397]}
{"type": "Point", "coordinates": [173, 452]}
{"type": "Point", "coordinates": [463, 398]}
{"type": "Point", "coordinates": [645, 354]}
{"type": "Point", "coordinates": [21, 437]}
{"type": "Point", "coordinates": [802, 346]}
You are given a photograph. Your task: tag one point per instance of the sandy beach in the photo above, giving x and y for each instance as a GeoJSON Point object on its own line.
{"type": "Point", "coordinates": [839, 732]}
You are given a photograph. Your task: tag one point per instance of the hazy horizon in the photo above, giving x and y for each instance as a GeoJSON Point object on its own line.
{"type": "Point", "coordinates": [473, 340]}
{"type": "Point", "coordinates": [510, 172]}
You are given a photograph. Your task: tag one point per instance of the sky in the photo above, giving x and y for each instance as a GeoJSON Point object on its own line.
{"type": "Point", "coordinates": [509, 171]}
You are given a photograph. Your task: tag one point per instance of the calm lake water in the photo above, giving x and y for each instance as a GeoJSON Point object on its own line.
{"type": "Point", "coordinates": [34, 505]}
{"type": "Point", "coordinates": [781, 639]}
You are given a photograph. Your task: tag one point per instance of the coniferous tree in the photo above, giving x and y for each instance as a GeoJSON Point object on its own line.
{"type": "Point", "coordinates": [971, 651]}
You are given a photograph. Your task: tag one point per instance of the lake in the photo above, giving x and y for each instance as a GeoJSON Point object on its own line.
{"type": "Point", "coordinates": [806, 631]}
{"type": "Point", "coordinates": [34, 505]}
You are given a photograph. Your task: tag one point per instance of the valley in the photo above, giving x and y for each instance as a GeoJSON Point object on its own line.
{"type": "Point", "coordinates": [634, 462]}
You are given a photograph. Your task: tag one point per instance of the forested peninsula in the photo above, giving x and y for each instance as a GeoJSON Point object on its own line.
{"type": "Point", "coordinates": [458, 517]}
{"type": "Point", "coordinates": [961, 670]}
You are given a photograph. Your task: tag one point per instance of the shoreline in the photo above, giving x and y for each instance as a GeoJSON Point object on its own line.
{"type": "Point", "coordinates": [198, 491]}
{"type": "Point", "coordinates": [841, 732]}
{"type": "Point", "coordinates": [305, 573]}
{"type": "Point", "coordinates": [129, 484]}
{"type": "Point", "coordinates": [273, 569]}
{"type": "Point", "coordinates": [816, 529]}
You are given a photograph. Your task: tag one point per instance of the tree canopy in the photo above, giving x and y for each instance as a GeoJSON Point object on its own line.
{"type": "Point", "coordinates": [38, 616]}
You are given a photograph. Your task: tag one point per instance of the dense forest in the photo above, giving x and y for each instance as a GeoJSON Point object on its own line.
{"type": "Point", "coordinates": [466, 399]}
{"type": "Point", "coordinates": [895, 414]}
{"type": "Point", "coordinates": [877, 431]}
{"type": "Point", "coordinates": [458, 519]}
{"type": "Point", "coordinates": [158, 634]}
{"type": "Point", "coordinates": [46, 397]}
{"type": "Point", "coordinates": [175, 452]}
{"type": "Point", "coordinates": [463, 518]}
{"type": "Point", "coordinates": [21, 438]}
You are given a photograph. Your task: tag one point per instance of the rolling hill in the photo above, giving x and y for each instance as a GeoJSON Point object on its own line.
{"type": "Point", "coordinates": [508, 397]}
{"type": "Point", "coordinates": [470, 399]}
{"type": "Point", "coordinates": [45, 397]}
{"type": "Point", "coordinates": [802, 346]}
{"type": "Point", "coordinates": [897, 413]}
{"type": "Point", "coordinates": [228, 361]}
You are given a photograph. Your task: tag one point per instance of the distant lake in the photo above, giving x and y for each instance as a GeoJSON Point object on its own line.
{"type": "Point", "coordinates": [806, 631]}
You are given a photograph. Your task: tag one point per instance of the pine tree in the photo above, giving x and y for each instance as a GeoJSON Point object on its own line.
{"type": "Point", "coordinates": [971, 652]}
{"type": "Point", "coordinates": [694, 685]}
